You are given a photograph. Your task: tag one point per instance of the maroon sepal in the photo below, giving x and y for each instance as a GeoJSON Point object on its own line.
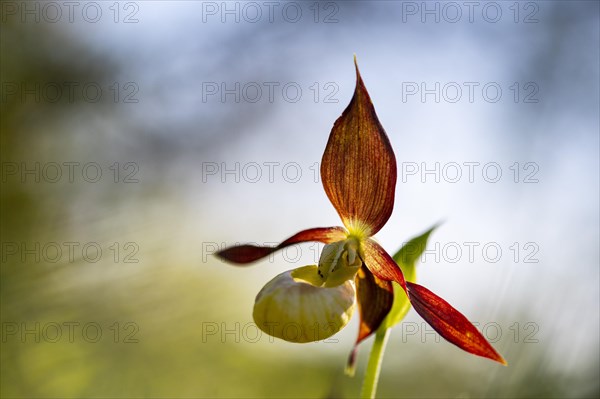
{"type": "Point", "coordinates": [450, 323]}
{"type": "Point", "coordinates": [244, 254]}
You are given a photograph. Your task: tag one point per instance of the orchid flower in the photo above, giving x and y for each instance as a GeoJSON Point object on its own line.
{"type": "Point", "coordinates": [314, 302]}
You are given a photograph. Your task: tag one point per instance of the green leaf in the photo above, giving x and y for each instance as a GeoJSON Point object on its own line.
{"type": "Point", "coordinates": [406, 258]}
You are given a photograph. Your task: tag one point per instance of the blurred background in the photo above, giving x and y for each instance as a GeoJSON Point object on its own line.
{"type": "Point", "coordinates": [137, 138]}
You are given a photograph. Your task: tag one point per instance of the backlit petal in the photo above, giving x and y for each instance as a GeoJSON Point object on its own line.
{"type": "Point", "coordinates": [359, 167]}
{"type": "Point", "coordinates": [381, 264]}
{"type": "Point", "coordinates": [407, 258]}
{"type": "Point", "coordinates": [450, 323]}
{"type": "Point", "coordinates": [446, 320]}
{"type": "Point", "coordinates": [375, 298]}
{"type": "Point", "coordinates": [244, 254]}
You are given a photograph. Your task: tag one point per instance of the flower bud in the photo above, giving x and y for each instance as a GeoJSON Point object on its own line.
{"type": "Point", "coordinates": [294, 307]}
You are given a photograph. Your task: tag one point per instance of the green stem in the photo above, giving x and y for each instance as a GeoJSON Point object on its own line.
{"type": "Point", "coordinates": [369, 387]}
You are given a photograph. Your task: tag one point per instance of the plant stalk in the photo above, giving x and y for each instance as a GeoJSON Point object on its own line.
{"type": "Point", "coordinates": [369, 387]}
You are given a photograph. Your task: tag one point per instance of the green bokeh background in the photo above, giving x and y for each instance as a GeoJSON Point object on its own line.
{"type": "Point", "coordinates": [176, 294]}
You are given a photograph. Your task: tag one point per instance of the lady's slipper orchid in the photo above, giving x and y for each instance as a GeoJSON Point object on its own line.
{"type": "Point", "coordinates": [311, 303]}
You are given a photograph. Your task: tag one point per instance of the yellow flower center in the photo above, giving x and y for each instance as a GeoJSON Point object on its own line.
{"type": "Point", "coordinates": [358, 230]}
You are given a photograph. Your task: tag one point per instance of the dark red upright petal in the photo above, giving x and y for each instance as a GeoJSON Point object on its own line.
{"type": "Point", "coordinates": [359, 167]}
{"type": "Point", "coordinates": [450, 323]}
{"type": "Point", "coordinates": [244, 254]}
{"type": "Point", "coordinates": [375, 298]}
